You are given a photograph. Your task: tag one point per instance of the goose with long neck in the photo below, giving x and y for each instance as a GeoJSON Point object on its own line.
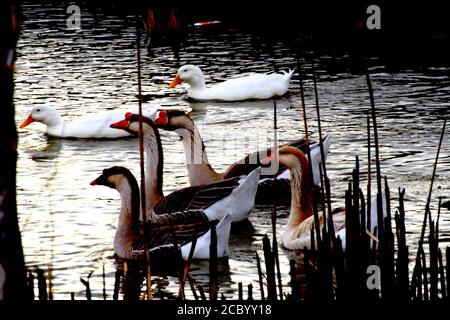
{"type": "Point", "coordinates": [297, 234]}
{"type": "Point", "coordinates": [198, 166]}
{"type": "Point", "coordinates": [127, 231]}
{"type": "Point", "coordinates": [90, 126]}
{"type": "Point", "coordinates": [216, 198]}
{"type": "Point", "coordinates": [129, 243]}
{"type": "Point", "coordinates": [301, 194]}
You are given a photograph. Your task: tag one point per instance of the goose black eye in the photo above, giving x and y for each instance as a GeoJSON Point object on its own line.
{"type": "Point", "coordinates": [38, 110]}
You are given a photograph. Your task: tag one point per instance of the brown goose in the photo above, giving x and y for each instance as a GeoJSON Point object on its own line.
{"type": "Point", "coordinates": [297, 234]}
{"type": "Point", "coordinates": [129, 243]}
{"type": "Point", "coordinates": [235, 195]}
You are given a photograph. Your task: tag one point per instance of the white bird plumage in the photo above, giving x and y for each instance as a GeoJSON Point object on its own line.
{"type": "Point", "coordinates": [253, 86]}
{"type": "Point", "coordinates": [90, 126]}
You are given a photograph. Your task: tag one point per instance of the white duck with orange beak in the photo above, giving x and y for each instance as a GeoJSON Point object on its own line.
{"type": "Point", "coordinates": [255, 86]}
{"type": "Point", "coordinates": [90, 126]}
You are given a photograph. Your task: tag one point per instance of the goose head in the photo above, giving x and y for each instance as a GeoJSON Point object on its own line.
{"type": "Point", "coordinates": [190, 74]}
{"type": "Point", "coordinates": [153, 148]}
{"type": "Point", "coordinates": [44, 114]}
{"type": "Point", "coordinates": [172, 120]}
{"type": "Point", "coordinates": [301, 192]}
{"type": "Point", "coordinates": [131, 124]}
{"type": "Point", "coordinates": [291, 157]}
{"type": "Point", "coordinates": [112, 177]}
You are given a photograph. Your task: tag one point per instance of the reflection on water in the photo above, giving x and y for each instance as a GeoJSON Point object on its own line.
{"type": "Point", "coordinates": [50, 150]}
{"type": "Point", "coordinates": [68, 226]}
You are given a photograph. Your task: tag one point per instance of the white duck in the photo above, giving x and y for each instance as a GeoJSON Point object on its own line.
{"type": "Point", "coordinates": [236, 195]}
{"type": "Point", "coordinates": [91, 126]}
{"type": "Point", "coordinates": [297, 234]}
{"type": "Point", "coordinates": [185, 226]}
{"type": "Point", "coordinates": [254, 86]}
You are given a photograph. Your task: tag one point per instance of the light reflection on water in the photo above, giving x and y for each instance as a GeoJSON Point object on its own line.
{"type": "Point", "coordinates": [68, 225]}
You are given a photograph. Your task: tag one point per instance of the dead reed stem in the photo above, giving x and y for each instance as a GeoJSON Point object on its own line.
{"type": "Point", "coordinates": [141, 157]}
{"type": "Point", "coordinates": [260, 275]}
{"type": "Point", "coordinates": [308, 152]}
{"type": "Point", "coordinates": [213, 266]}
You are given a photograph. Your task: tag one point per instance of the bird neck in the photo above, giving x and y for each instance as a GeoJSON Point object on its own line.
{"type": "Point", "coordinates": [55, 125]}
{"type": "Point", "coordinates": [154, 170]}
{"type": "Point", "coordinates": [301, 194]}
{"type": "Point", "coordinates": [197, 82]}
{"type": "Point", "coordinates": [129, 210]}
{"type": "Point", "coordinates": [197, 164]}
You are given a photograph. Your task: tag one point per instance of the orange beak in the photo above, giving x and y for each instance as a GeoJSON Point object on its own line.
{"type": "Point", "coordinates": [161, 118]}
{"type": "Point", "coordinates": [268, 159]}
{"type": "Point", "coordinates": [93, 182]}
{"type": "Point", "coordinates": [175, 82]}
{"type": "Point", "coordinates": [26, 122]}
{"type": "Point", "coordinates": [122, 124]}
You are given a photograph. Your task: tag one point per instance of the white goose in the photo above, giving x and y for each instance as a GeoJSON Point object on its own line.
{"type": "Point", "coordinates": [236, 195]}
{"type": "Point", "coordinates": [254, 86]}
{"type": "Point", "coordinates": [129, 243]}
{"type": "Point", "coordinates": [91, 126]}
{"type": "Point", "coordinates": [297, 234]}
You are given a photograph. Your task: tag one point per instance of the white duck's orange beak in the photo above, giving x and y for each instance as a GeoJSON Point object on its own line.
{"type": "Point", "coordinates": [175, 82]}
{"type": "Point", "coordinates": [27, 121]}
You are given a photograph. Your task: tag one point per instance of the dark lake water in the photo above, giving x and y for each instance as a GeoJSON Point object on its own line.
{"type": "Point", "coordinates": [68, 226]}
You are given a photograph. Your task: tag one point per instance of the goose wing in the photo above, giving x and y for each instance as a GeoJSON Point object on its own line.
{"type": "Point", "coordinates": [178, 227]}
{"type": "Point", "coordinates": [196, 197]}
{"type": "Point", "coordinates": [253, 160]}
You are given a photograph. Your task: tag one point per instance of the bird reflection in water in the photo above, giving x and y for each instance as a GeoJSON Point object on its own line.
{"type": "Point", "coordinates": [48, 151]}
